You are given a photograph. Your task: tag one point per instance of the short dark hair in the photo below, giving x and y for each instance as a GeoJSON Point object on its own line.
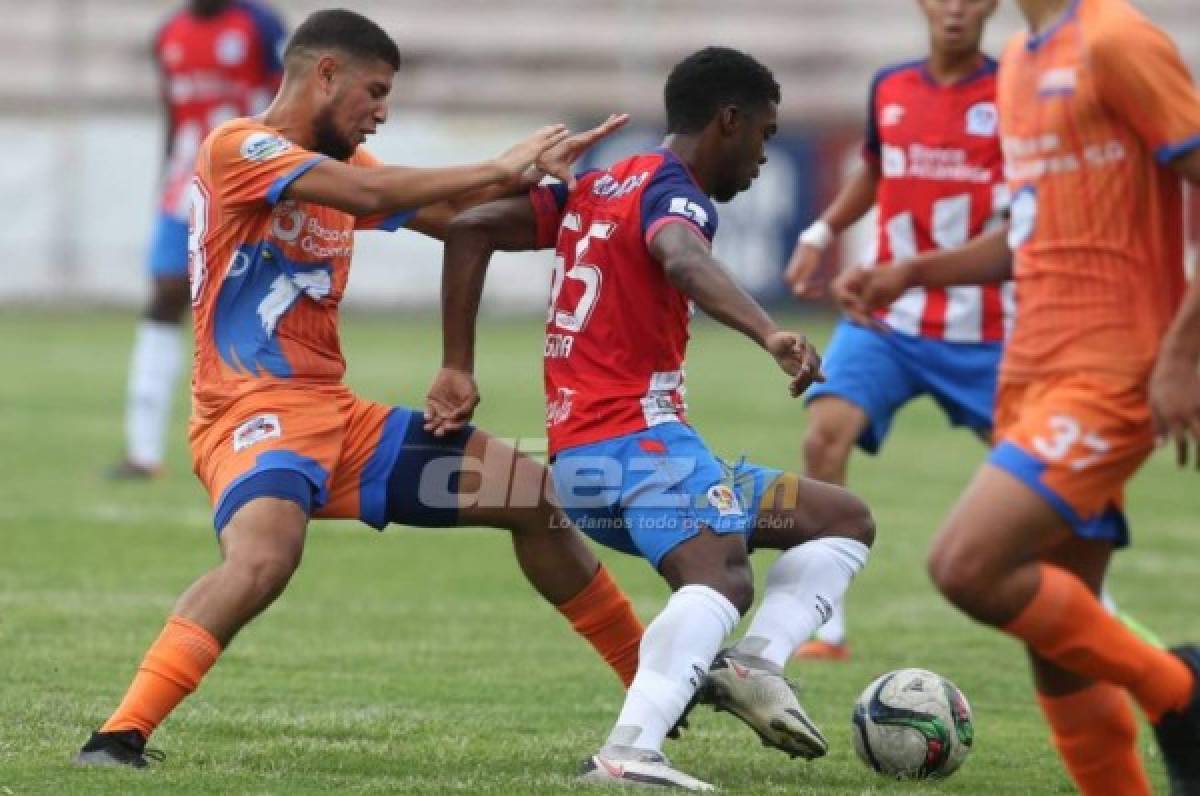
{"type": "Point", "coordinates": [711, 79]}
{"type": "Point", "coordinates": [346, 31]}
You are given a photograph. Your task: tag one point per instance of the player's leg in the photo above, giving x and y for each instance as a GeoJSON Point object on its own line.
{"type": "Point", "coordinates": [471, 478]}
{"type": "Point", "coordinates": [261, 547]}
{"type": "Point", "coordinates": [866, 382]}
{"type": "Point", "coordinates": [1093, 724]}
{"type": "Point", "coordinates": [157, 354]}
{"type": "Point", "coordinates": [709, 575]}
{"type": "Point", "coordinates": [988, 561]}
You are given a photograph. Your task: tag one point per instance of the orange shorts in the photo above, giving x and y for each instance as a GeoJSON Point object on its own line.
{"type": "Point", "coordinates": [348, 449]}
{"type": "Point", "coordinates": [1076, 441]}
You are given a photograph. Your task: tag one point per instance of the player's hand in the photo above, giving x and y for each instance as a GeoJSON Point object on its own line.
{"type": "Point", "coordinates": [883, 285]}
{"type": "Point", "coordinates": [557, 161]}
{"type": "Point", "coordinates": [451, 401]}
{"type": "Point", "coordinates": [798, 358]}
{"type": "Point", "coordinates": [514, 162]}
{"type": "Point", "coordinates": [802, 270]}
{"type": "Point", "coordinates": [1175, 406]}
{"type": "Point", "coordinates": [847, 289]}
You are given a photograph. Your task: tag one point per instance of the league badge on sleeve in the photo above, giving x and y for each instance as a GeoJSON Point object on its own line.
{"type": "Point", "coordinates": [264, 146]}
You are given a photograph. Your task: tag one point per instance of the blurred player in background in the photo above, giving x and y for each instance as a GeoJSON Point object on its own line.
{"type": "Point", "coordinates": [276, 436]}
{"type": "Point", "coordinates": [633, 260]}
{"type": "Point", "coordinates": [217, 60]}
{"type": "Point", "coordinates": [932, 164]}
{"type": "Point", "coordinates": [1099, 119]}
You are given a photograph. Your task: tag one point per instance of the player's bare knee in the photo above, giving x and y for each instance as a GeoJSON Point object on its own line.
{"type": "Point", "coordinates": [855, 520]}
{"type": "Point", "coordinates": [267, 573]}
{"type": "Point", "coordinates": [826, 448]}
{"type": "Point", "coordinates": [959, 578]}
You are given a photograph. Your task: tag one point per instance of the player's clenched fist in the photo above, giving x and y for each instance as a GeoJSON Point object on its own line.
{"type": "Point", "coordinates": [798, 358]}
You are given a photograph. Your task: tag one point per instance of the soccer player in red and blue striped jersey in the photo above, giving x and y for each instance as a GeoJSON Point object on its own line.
{"type": "Point", "coordinates": [932, 165]}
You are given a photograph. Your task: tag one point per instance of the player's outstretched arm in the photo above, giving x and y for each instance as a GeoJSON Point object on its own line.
{"type": "Point", "coordinates": [557, 161]}
{"type": "Point", "coordinates": [471, 239]}
{"type": "Point", "coordinates": [856, 197]}
{"type": "Point", "coordinates": [365, 191]}
{"type": "Point", "coordinates": [690, 266]}
{"type": "Point", "coordinates": [982, 260]}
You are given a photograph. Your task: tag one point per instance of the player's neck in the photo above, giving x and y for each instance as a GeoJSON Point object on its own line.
{"type": "Point", "coordinates": [1041, 14]}
{"type": "Point", "coordinates": [947, 68]}
{"type": "Point", "coordinates": [690, 150]}
{"type": "Point", "coordinates": [290, 117]}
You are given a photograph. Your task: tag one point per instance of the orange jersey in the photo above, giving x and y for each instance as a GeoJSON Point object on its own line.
{"type": "Point", "coordinates": [267, 274]}
{"type": "Point", "coordinates": [1091, 111]}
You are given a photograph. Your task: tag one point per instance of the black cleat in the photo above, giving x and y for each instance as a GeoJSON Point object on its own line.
{"type": "Point", "coordinates": [120, 748]}
{"type": "Point", "coordinates": [1178, 733]}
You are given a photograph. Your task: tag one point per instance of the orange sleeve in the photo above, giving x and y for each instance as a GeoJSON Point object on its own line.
{"type": "Point", "coordinates": [254, 164]}
{"type": "Point", "coordinates": [1144, 81]}
{"type": "Point", "coordinates": [385, 221]}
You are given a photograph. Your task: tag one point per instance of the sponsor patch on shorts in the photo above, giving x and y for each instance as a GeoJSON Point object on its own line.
{"type": "Point", "coordinates": [255, 430]}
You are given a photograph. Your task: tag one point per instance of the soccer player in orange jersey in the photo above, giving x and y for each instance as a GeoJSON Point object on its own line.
{"type": "Point", "coordinates": [276, 437]}
{"type": "Point", "coordinates": [1099, 120]}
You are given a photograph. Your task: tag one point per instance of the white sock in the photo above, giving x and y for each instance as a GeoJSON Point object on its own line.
{"type": "Point", "coordinates": [152, 373]}
{"type": "Point", "coordinates": [677, 649]}
{"type": "Point", "coordinates": [802, 586]}
{"type": "Point", "coordinates": [834, 629]}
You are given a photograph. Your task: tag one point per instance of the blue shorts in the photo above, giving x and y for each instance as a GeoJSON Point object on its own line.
{"type": "Point", "coordinates": [880, 371]}
{"type": "Point", "coordinates": [648, 492]}
{"type": "Point", "coordinates": [168, 254]}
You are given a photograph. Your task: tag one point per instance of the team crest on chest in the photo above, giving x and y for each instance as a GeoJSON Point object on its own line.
{"type": "Point", "coordinates": [982, 119]}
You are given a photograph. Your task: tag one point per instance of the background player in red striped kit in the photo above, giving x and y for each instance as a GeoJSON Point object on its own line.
{"type": "Point", "coordinates": [217, 60]}
{"type": "Point", "coordinates": [932, 166]}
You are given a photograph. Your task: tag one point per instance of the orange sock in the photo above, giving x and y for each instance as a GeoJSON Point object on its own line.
{"type": "Point", "coordinates": [172, 668]}
{"type": "Point", "coordinates": [1096, 735]}
{"type": "Point", "coordinates": [1067, 625]}
{"type": "Point", "coordinates": [601, 613]}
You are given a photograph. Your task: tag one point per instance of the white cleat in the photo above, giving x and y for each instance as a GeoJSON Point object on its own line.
{"type": "Point", "coordinates": [633, 767]}
{"type": "Point", "coordinates": [756, 692]}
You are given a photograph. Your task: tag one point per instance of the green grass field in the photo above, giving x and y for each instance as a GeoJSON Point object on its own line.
{"type": "Point", "coordinates": [419, 661]}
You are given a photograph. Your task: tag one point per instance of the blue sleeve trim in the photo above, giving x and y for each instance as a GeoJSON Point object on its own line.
{"type": "Point", "coordinates": [1166, 154]}
{"type": "Point", "coordinates": [559, 189]}
{"type": "Point", "coordinates": [672, 181]}
{"type": "Point", "coordinates": [396, 221]}
{"type": "Point", "coordinates": [275, 192]}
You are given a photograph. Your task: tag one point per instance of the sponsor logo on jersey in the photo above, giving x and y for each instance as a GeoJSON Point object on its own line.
{"type": "Point", "coordinates": [264, 146]}
{"type": "Point", "coordinates": [982, 119]}
{"type": "Point", "coordinates": [891, 115]}
{"type": "Point", "coordinates": [1058, 82]}
{"type": "Point", "coordinates": [607, 186]}
{"type": "Point", "coordinates": [558, 410]}
{"type": "Point", "coordinates": [722, 498]}
{"type": "Point", "coordinates": [255, 430]}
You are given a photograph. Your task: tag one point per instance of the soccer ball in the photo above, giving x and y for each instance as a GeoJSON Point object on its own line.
{"type": "Point", "coordinates": [912, 724]}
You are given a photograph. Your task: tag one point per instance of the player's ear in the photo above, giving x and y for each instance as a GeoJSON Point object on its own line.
{"type": "Point", "coordinates": [326, 69]}
{"type": "Point", "coordinates": [730, 119]}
